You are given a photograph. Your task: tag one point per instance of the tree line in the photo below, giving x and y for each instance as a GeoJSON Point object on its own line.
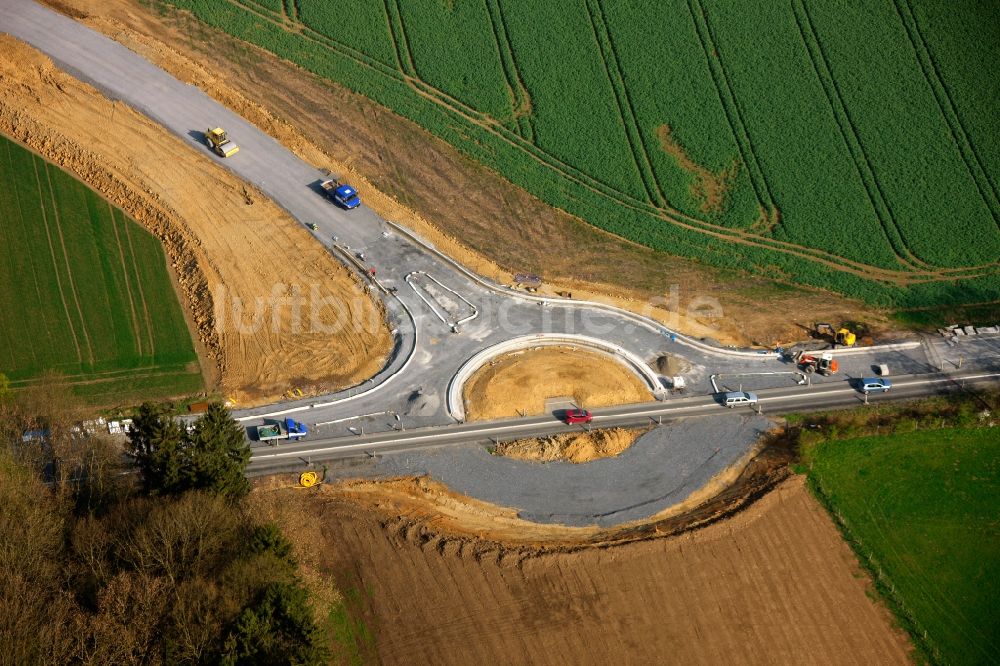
{"type": "Point", "coordinates": [153, 557]}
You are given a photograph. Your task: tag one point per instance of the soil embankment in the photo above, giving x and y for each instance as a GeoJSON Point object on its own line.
{"type": "Point", "coordinates": [241, 263]}
{"type": "Point", "coordinates": [574, 447]}
{"type": "Point", "coordinates": [521, 382]}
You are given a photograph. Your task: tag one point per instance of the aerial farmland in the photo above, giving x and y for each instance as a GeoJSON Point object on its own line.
{"type": "Point", "coordinates": [831, 144]}
{"type": "Point", "coordinates": [496, 331]}
{"type": "Point", "coordinates": [88, 288]}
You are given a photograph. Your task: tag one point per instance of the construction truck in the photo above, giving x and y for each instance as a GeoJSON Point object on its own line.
{"type": "Point", "coordinates": [273, 431]}
{"type": "Point", "coordinates": [823, 364]}
{"type": "Point", "coordinates": [342, 194]}
{"type": "Point", "coordinates": [843, 337]}
{"type": "Point", "coordinates": [220, 144]}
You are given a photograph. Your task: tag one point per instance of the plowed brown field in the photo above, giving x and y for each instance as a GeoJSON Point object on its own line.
{"type": "Point", "coordinates": [774, 584]}
{"type": "Point", "coordinates": [215, 231]}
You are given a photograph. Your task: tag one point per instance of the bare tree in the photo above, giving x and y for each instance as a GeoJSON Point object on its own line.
{"type": "Point", "coordinates": [181, 538]}
{"type": "Point", "coordinates": [126, 629]}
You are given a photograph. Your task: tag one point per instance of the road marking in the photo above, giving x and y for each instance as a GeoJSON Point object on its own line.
{"type": "Point", "coordinates": [661, 410]}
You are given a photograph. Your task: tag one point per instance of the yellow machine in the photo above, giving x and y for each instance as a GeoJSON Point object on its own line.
{"type": "Point", "coordinates": [308, 479]}
{"type": "Point", "coordinates": [846, 338]}
{"type": "Point", "coordinates": [220, 144]}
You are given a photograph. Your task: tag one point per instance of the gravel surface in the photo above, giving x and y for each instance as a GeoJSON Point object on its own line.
{"type": "Point", "coordinates": [662, 468]}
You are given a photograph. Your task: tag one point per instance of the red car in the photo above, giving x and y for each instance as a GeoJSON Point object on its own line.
{"type": "Point", "coordinates": [578, 416]}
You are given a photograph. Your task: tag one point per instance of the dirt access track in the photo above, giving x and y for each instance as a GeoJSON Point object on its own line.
{"type": "Point", "coordinates": [772, 584]}
{"type": "Point", "coordinates": [407, 175]}
{"type": "Point", "coordinates": [239, 260]}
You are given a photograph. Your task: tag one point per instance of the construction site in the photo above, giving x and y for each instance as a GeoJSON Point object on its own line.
{"type": "Point", "coordinates": [476, 463]}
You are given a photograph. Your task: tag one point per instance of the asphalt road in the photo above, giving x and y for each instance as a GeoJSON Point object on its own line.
{"type": "Point", "coordinates": [771, 402]}
{"type": "Point", "coordinates": [661, 468]}
{"type": "Point", "coordinates": [428, 353]}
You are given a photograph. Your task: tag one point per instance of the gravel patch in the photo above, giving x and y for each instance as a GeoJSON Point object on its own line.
{"type": "Point", "coordinates": [662, 468]}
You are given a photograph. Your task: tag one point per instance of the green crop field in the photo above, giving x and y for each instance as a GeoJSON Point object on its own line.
{"type": "Point", "coordinates": [84, 291]}
{"type": "Point", "coordinates": [835, 143]}
{"type": "Point", "coordinates": [922, 511]}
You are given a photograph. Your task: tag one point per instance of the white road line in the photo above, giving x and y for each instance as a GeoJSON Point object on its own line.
{"type": "Point", "coordinates": [437, 435]}
{"type": "Point", "coordinates": [662, 409]}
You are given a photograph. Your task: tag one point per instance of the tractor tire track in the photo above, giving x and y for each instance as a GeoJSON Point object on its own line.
{"type": "Point", "coordinates": [258, 7]}
{"type": "Point", "coordinates": [55, 264]}
{"type": "Point", "coordinates": [626, 112]}
{"type": "Point", "coordinates": [730, 105]}
{"type": "Point", "coordinates": [848, 133]}
{"type": "Point", "coordinates": [404, 55]}
{"type": "Point", "coordinates": [515, 84]}
{"type": "Point", "coordinates": [69, 268]}
{"type": "Point", "coordinates": [862, 165]}
{"type": "Point", "coordinates": [949, 111]}
{"type": "Point", "coordinates": [128, 288]}
{"type": "Point", "coordinates": [142, 295]}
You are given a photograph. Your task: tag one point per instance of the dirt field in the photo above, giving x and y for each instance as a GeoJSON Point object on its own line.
{"type": "Point", "coordinates": [214, 231]}
{"type": "Point", "coordinates": [576, 447]}
{"type": "Point", "coordinates": [407, 175]}
{"type": "Point", "coordinates": [520, 382]}
{"type": "Point", "coordinates": [774, 584]}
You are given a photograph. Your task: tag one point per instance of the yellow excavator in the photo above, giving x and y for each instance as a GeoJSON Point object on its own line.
{"type": "Point", "coordinates": [220, 144]}
{"type": "Point", "coordinates": [844, 337]}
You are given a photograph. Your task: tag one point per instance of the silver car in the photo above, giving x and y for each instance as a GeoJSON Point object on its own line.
{"type": "Point", "coordinates": [739, 399]}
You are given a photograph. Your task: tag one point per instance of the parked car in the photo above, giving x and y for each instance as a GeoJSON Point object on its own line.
{"type": "Point", "coordinates": [578, 416]}
{"type": "Point", "coordinates": [874, 385]}
{"type": "Point", "coordinates": [739, 399]}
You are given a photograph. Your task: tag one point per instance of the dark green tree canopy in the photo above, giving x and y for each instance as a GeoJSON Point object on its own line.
{"type": "Point", "coordinates": [212, 456]}
{"type": "Point", "coordinates": [278, 628]}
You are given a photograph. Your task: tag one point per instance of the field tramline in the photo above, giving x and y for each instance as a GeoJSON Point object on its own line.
{"type": "Point", "coordinates": [89, 294]}
{"type": "Point", "coordinates": [826, 143]}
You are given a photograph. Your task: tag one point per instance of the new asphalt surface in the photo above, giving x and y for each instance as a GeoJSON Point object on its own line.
{"type": "Point", "coordinates": [428, 351]}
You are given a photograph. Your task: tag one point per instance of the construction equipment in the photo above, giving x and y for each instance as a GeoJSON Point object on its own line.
{"type": "Point", "coordinates": [844, 336]}
{"type": "Point", "coordinates": [823, 364]}
{"type": "Point", "coordinates": [220, 144]}
{"type": "Point", "coordinates": [341, 193]}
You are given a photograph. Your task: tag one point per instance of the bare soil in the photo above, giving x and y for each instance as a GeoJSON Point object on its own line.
{"type": "Point", "coordinates": [709, 188]}
{"type": "Point", "coordinates": [671, 365]}
{"type": "Point", "coordinates": [771, 583]}
{"type": "Point", "coordinates": [521, 382]}
{"type": "Point", "coordinates": [574, 447]}
{"type": "Point", "coordinates": [468, 211]}
{"type": "Point", "coordinates": [214, 229]}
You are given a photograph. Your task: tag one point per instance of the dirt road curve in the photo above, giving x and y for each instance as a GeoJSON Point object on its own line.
{"type": "Point", "coordinates": [775, 584]}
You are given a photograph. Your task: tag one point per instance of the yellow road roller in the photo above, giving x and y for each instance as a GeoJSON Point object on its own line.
{"type": "Point", "coordinates": [220, 144]}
